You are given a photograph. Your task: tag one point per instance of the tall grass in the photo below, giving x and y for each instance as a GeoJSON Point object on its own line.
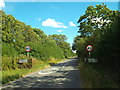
{"type": "Point", "coordinates": [41, 54]}
{"type": "Point", "coordinates": [92, 77]}
{"type": "Point", "coordinates": [10, 75]}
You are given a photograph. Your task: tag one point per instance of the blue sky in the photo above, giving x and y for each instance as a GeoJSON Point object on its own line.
{"type": "Point", "coordinates": [52, 17]}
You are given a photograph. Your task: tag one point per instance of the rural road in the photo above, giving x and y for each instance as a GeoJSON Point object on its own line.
{"type": "Point", "coordinates": [62, 75]}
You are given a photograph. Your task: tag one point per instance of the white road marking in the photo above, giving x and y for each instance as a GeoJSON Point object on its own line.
{"type": "Point", "coordinates": [53, 70]}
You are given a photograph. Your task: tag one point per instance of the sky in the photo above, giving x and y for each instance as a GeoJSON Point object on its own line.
{"type": "Point", "coordinates": [51, 17]}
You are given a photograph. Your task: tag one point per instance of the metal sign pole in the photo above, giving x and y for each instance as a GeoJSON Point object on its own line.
{"type": "Point", "coordinates": [27, 48]}
{"type": "Point", "coordinates": [89, 49]}
{"type": "Point", "coordinates": [28, 54]}
{"type": "Point", "coordinates": [89, 55]}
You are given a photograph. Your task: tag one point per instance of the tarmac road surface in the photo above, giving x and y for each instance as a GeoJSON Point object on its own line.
{"type": "Point", "coordinates": [62, 75]}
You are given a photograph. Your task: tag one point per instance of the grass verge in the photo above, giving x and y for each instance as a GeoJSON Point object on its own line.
{"type": "Point", "coordinates": [11, 75]}
{"type": "Point", "coordinates": [92, 77]}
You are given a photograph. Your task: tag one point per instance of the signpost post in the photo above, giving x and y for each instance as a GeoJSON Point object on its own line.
{"type": "Point", "coordinates": [89, 49]}
{"type": "Point", "coordinates": [27, 49]}
{"type": "Point", "coordinates": [26, 63]}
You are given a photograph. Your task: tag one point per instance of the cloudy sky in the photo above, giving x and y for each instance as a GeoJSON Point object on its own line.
{"type": "Point", "coordinates": [51, 17]}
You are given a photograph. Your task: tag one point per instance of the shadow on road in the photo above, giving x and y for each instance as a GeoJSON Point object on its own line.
{"type": "Point", "coordinates": [66, 77]}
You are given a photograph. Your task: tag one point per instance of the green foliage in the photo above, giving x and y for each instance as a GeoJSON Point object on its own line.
{"type": "Point", "coordinates": [95, 20]}
{"type": "Point", "coordinates": [8, 49]}
{"type": "Point", "coordinates": [99, 27]}
{"type": "Point", "coordinates": [10, 75]}
{"type": "Point", "coordinates": [107, 49]}
{"type": "Point", "coordinates": [9, 63]}
{"type": "Point", "coordinates": [45, 51]}
{"type": "Point", "coordinates": [60, 41]}
{"type": "Point", "coordinates": [58, 38]}
{"type": "Point", "coordinates": [16, 35]}
{"type": "Point", "coordinates": [79, 45]}
{"type": "Point", "coordinates": [94, 77]}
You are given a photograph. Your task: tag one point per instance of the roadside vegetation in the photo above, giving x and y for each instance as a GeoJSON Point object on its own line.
{"type": "Point", "coordinates": [96, 77]}
{"type": "Point", "coordinates": [99, 27]}
{"type": "Point", "coordinates": [45, 49]}
{"type": "Point", "coordinates": [11, 75]}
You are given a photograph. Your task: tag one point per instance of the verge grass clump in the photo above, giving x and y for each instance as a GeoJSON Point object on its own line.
{"type": "Point", "coordinates": [11, 75]}
{"type": "Point", "coordinates": [92, 77]}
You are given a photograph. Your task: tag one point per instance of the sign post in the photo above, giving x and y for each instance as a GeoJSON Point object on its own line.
{"type": "Point", "coordinates": [28, 54]}
{"type": "Point", "coordinates": [89, 49]}
{"type": "Point", "coordinates": [27, 49]}
{"type": "Point", "coordinates": [89, 54]}
{"type": "Point", "coordinates": [25, 63]}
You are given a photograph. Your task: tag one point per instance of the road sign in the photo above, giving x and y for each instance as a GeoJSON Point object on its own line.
{"type": "Point", "coordinates": [89, 48]}
{"type": "Point", "coordinates": [27, 48]}
{"type": "Point", "coordinates": [91, 60]}
{"type": "Point", "coordinates": [24, 63]}
{"type": "Point", "coordinates": [23, 60]}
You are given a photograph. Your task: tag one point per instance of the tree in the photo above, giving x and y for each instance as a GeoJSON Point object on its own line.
{"type": "Point", "coordinates": [58, 38]}
{"type": "Point", "coordinates": [16, 35]}
{"type": "Point", "coordinates": [99, 26]}
{"type": "Point", "coordinates": [40, 33]}
{"type": "Point", "coordinates": [95, 20]}
{"type": "Point", "coordinates": [61, 42]}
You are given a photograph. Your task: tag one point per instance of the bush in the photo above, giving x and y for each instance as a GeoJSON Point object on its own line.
{"type": "Point", "coordinates": [45, 51]}
{"type": "Point", "coordinates": [8, 49]}
{"type": "Point", "coordinates": [9, 63]}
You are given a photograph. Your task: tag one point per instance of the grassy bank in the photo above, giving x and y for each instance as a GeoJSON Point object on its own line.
{"type": "Point", "coordinates": [92, 77]}
{"type": "Point", "coordinates": [10, 75]}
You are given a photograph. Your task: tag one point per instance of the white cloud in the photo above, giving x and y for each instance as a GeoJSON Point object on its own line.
{"type": "Point", "coordinates": [39, 19]}
{"type": "Point", "coordinates": [64, 27]}
{"type": "Point", "coordinates": [59, 30]}
{"type": "Point", "coordinates": [71, 24]}
{"type": "Point", "coordinates": [52, 23]}
{"type": "Point", "coordinates": [2, 4]}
